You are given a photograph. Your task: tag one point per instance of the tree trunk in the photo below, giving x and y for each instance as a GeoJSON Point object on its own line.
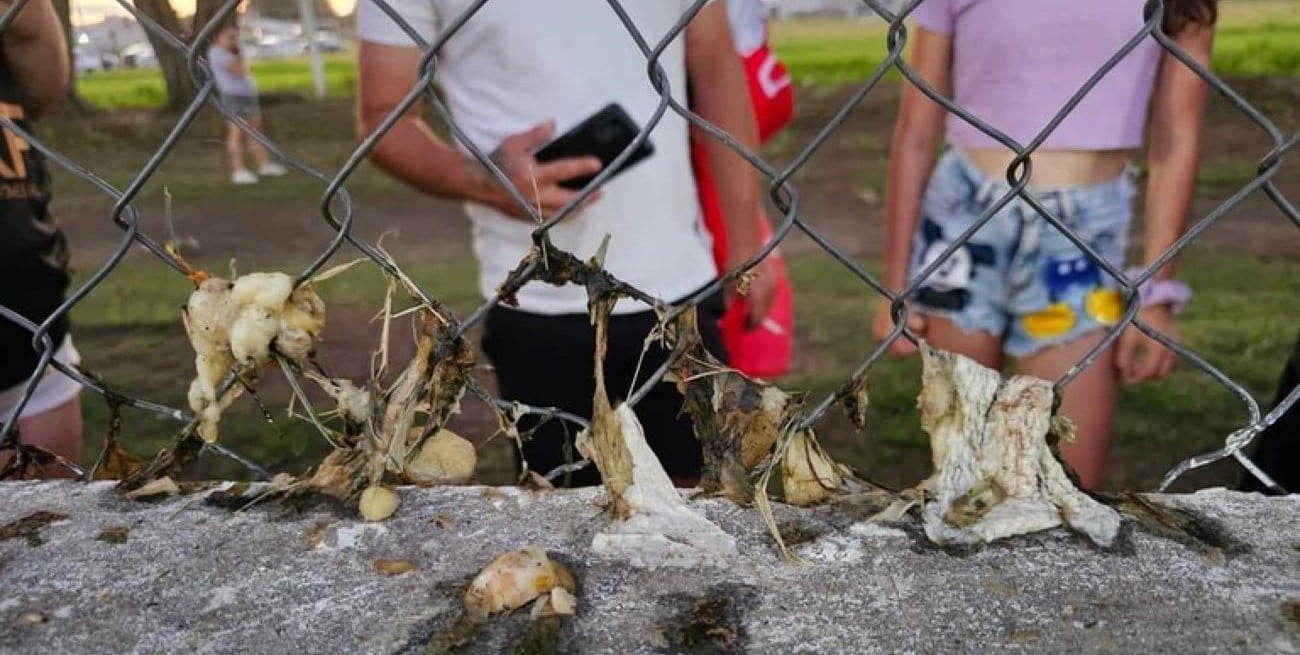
{"type": "Point", "coordinates": [176, 75]}
{"type": "Point", "coordinates": [204, 11]}
{"type": "Point", "coordinates": [75, 102]}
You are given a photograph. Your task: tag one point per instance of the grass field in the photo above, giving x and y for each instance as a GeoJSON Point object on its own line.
{"type": "Point", "coordinates": [1255, 37]}
{"type": "Point", "coordinates": [1246, 270]}
{"type": "Point", "coordinates": [133, 318]}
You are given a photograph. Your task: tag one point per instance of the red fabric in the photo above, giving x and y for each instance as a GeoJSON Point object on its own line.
{"type": "Point", "coordinates": [766, 350]}
{"type": "Point", "coordinates": [770, 91]}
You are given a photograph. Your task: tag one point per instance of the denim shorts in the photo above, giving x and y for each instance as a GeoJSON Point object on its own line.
{"type": "Point", "coordinates": [1018, 277]}
{"type": "Point", "coordinates": [244, 106]}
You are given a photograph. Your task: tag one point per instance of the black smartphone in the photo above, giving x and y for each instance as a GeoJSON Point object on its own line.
{"type": "Point", "coordinates": [603, 135]}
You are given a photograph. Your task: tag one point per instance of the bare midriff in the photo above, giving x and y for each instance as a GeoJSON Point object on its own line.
{"type": "Point", "coordinates": [1054, 168]}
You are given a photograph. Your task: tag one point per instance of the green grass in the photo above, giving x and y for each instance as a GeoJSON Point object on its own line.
{"type": "Point", "coordinates": [1241, 321]}
{"type": "Point", "coordinates": [1254, 38]}
{"type": "Point", "coordinates": [142, 88]}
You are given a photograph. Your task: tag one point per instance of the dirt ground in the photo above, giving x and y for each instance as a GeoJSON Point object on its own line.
{"type": "Point", "coordinates": [840, 189]}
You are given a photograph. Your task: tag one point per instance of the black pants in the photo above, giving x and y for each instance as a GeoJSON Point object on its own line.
{"type": "Point", "coordinates": [1277, 449]}
{"type": "Point", "coordinates": [547, 361]}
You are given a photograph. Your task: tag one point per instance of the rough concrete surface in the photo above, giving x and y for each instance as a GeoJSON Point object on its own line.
{"type": "Point", "coordinates": [187, 577]}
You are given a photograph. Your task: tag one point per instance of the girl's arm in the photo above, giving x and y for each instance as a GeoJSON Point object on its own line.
{"type": "Point", "coordinates": [1177, 111]}
{"type": "Point", "coordinates": [236, 65]}
{"type": "Point", "coordinates": [917, 136]}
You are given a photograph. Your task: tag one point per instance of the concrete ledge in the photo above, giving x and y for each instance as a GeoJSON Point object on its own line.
{"type": "Point", "coordinates": [98, 574]}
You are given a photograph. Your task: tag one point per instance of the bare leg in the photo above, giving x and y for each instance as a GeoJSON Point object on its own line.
{"type": "Point", "coordinates": [1089, 401]}
{"type": "Point", "coordinates": [235, 147]}
{"type": "Point", "coordinates": [978, 345]}
{"type": "Point", "coordinates": [259, 152]}
{"type": "Point", "coordinates": [58, 431]}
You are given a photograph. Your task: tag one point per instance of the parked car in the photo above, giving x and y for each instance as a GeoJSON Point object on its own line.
{"type": "Point", "coordinates": [87, 60]}
{"type": "Point", "coordinates": [139, 55]}
{"type": "Point", "coordinates": [276, 45]}
{"type": "Point", "coordinates": [329, 41]}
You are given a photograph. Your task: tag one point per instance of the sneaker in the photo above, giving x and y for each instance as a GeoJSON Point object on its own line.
{"type": "Point", "coordinates": [272, 169]}
{"type": "Point", "coordinates": [242, 177]}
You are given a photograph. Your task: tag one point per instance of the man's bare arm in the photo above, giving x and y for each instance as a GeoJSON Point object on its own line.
{"type": "Point", "coordinates": [720, 95]}
{"type": "Point", "coordinates": [413, 153]}
{"type": "Point", "coordinates": [37, 55]}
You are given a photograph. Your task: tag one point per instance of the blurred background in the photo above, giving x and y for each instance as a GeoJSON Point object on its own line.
{"type": "Point", "coordinates": [130, 87]}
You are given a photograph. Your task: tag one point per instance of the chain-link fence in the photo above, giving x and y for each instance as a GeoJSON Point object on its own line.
{"type": "Point", "coordinates": [337, 211]}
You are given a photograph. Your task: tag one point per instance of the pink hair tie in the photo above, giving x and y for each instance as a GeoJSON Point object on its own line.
{"type": "Point", "coordinates": [1162, 292]}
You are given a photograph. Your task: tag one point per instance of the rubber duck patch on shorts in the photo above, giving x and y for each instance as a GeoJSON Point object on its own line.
{"type": "Point", "coordinates": [1067, 278]}
{"type": "Point", "coordinates": [1052, 321]}
{"type": "Point", "coordinates": [1104, 306]}
{"type": "Point", "coordinates": [948, 288]}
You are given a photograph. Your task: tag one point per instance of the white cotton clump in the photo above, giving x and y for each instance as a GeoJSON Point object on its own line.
{"type": "Point", "coordinates": [251, 335]}
{"type": "Point", "coordinates": [258, 300]}
{"type": "Point", "coordinates": [302, 318]}
{"type": "Point", "coordinates": [660, 529]}
{"type": "Point", "coordinates": [207, 317]}
{"type": "Point", "coordinates": [995, 474]}
{"type": "Point", "coordinates": [353, 401]}
{"type": "Point", "coordinates": [236, 324]}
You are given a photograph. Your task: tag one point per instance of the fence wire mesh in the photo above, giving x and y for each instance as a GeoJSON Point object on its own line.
{"type": "Point", "coordinates": [337, 210]}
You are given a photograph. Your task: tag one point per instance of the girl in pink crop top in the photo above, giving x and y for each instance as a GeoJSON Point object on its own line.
{"type": "Point", "coordinates": [1018, 287]}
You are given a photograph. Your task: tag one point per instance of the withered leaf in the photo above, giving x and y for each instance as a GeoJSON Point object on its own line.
{"type": "Point", "coordinates": [29, 527]}
{"type": "Point", "coordinates": [339, 475]}
{"type": "Point", "coordinates": [856, 401]}
{"type": "Point", "coordinates": [393, 566]}
{"type": "Point", "coordinates": [30, 618]}
{"type": "Point", "coordinates": [603, 441]}
{"type": "Point", "coordinates": [116, 534]}
{"type": "Point", "coordinates": [316, 536]}
{"type": "Point", "coordinates": [737, 419]}
{"type": "Point", "coordinates": [115, 463]}
{"type": "Point", "coordinates": [155, 489]}
{"type": "Point", "coordinates": [513, 579]}
{"type": "Point", "coordinates": [808, 475]}
{"type": "Point", "coordinates": [231, 498]}
{"type": "Point", "coordinates": [534, 481]}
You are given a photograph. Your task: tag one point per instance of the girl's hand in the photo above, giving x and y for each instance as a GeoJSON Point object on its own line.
{"type": "Point", "coordinates": [1140, 358]}
{"type": "Point", "coordinates": [882, 325]}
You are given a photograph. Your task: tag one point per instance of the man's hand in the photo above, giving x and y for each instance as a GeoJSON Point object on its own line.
{"type": "Point", "coordinates": [883, 324]}
{"type": "Point", "coordinates": [537, 182]}
{"type": "Point", "coordinates": [1139, 357]}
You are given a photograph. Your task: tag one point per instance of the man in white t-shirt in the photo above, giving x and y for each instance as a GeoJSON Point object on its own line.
{"type": "Point", "coordinates": [516, 73]}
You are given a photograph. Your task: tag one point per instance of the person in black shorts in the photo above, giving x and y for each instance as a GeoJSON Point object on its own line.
{"type": "Point", "coordinates": [33, 251]}
{"type": "Point", "coordinates": [517, 76]}
{"type": "Point", "coordinates": [1277, 449]}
